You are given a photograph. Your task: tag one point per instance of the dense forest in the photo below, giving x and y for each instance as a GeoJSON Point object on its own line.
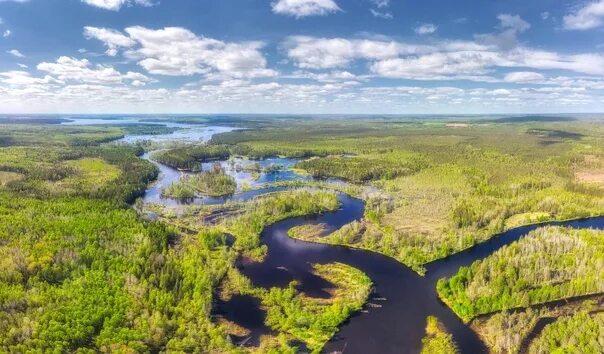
{"type": "Point", "coordinates": [437, 340]}
{"type": "Point", "coordinates": [214, 182]}
{"type": "Point", "coordinates": [550, 263]}
{"type": "Point", "coordinates": [190, 157]}
{"type": "Point", "coordinates": [83, 271]}
{"type": "Point", "coordinates": [581, 333]}
{"type": "Point", "coordinates": [451, 186]}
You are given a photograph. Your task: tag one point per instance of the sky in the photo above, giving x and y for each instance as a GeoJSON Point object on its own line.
{"type": "Point", "coordinates": [302, 56]}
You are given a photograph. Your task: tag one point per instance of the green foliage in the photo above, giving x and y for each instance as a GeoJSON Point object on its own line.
{"type": "Point", "coordinates": [437, 340]}
{"type": "Point", "coordinates": [580, 333]}
{"type": "Point", "coordinates": [313, 321]}
{"type": "Point", "coordinates": [70, 269]}
{"type": "Point", "coordinates": [56, 135]}
{"type": "Point", "coordinates": [191, 157]}
{"type": "Point", "coordinates": [451, 186]}
{"type": "Point", "coordinates": [364, 168]}
{"type": "Point", "coordinates": [550, 263]}
{"type": "Point", "coordinates": [275, 207]}
{"type": "Point", "coordinates": [213, 183]}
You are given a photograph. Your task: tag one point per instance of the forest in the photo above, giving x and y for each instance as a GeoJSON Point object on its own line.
{"type": "Point", "coordinates": [450, 186]}
{"type": "Point", "coordinates": [214, 182]}
{"type": "Point", "coordinates": [86, 268]}
{"type": "Point", "coordinates": [84, 271]}
{"type": "Point", "coordinates": [550, 263]}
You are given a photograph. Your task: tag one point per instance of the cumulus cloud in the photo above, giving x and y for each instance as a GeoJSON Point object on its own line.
{"type": "Point", "coordinates": [303, 8]}
{"type": "Point", "coordinates": [587, 17]}
{"type": "Point", "coordinates": [176, 51]}
{"type": "Point", "coordinates": [111, 38]}
{"type": "Point", "coordinates": [426, 28]}
{"type": "Point", "coordinates": [23, 78]}
{"type": "Point", "coordinates": [476, 60]}
{"type": "Point", "coordinates": [80, 70]}
{"type": "Point", "coordinates": [6, 33]}
{"type": "Point", "coordinates": [509, 28]}
{"type": "Point", "coordinates": [16, 53]}
{"type": "Point", "coordinates": [115, 5]}
{"type": "Point", "coordinates": [324, 53]}
{"type": "Point", "coordinates": [513, 22]}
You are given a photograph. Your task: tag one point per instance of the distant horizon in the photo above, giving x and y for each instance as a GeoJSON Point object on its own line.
{"type": "Point", "coordinates": [306, 114]}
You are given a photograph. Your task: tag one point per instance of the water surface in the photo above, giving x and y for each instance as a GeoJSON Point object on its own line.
{"type": "Point", "coordinates": [395, 318]}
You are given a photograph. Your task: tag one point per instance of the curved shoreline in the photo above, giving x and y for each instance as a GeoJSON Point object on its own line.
{"type": "Point", "coordinates": [397, 325]}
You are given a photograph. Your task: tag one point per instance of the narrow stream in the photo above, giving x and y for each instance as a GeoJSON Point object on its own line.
{"type": "Point", "coordinates": [395, 322]}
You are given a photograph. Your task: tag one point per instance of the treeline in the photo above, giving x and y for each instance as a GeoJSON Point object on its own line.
{"type": "Point", "coordinates": [45, 168]}
{"type": "Point", "coordinates": [314, 321]}
{"type": "Point", "coordinates": [550, 263]}
{"type": "Point", "coordinates": [581, 333]}
{"type": "Point", "coordinates": [361, 169]}
{"type": "Point", "coordinates": [437, 340]}
{"type": "Point", "coordinates": [214, 182]}
{"type": "Point", "coordinates": [267, 210]}
{"type": "Point", "coordinates": [191, 157]}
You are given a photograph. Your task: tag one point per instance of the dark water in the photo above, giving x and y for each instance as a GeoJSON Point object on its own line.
{"type": "Point", "coordinates": [397, 325]}
{"type": "Point", "coordinates": [402, 298]}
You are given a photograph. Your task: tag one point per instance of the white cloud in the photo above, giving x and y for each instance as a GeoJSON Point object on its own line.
{"type": "Point", "coordinates": [303, 8]}
{"type": "Point", "coordinates": [513, 22]}
{"type": "Point", "coordinates": [426, 28]}
{"type": "Point", "coordinates": [22, 66]}
{"type": "Point", "coordinates": [16, 53]}
{"type": "Point", "coordinates": [588, 17]}
{"type": "Point", "coordinates": [524, 77]}
{"type": "Point", "coordinates": [435, 65]}
{"type": "Point", "coordinates": [325, 53]}
{"type": "Point", "coordinates": [379, 14]}
{"type": "Point", "coordinates": [509, 28]}
{"type": "Point", "coordinates": [177, 51]}
{"type": "Point", "coordinates": [115, 5]}
{"type": "Point", "coordinates": [444, 60]}
{"type": "Point", "coordinates": [73, 70]}
{"type": "Point", "coordinates": [381, 3]}
{"type": "Point", "coordinates": [6, 33]}
{"type": "Point", "coordinates": [545, 15]}
{"type": "Point", "coordinates": [333, 76]}
{"type": "Point", "coordinates": [111, 38]}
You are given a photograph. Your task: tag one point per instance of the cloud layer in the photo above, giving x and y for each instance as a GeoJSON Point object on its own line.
{"type": "Point", "coordinates": [303, 8]}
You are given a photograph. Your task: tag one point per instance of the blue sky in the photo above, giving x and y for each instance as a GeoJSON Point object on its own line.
{"type": "Point", "coordinates": [301, 56]}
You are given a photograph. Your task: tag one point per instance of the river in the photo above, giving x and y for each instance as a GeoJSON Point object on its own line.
{"type": "Point", "coordinates": [395, 321]}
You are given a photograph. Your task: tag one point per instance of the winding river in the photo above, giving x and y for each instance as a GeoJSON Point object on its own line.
{"type": "Point", "coordinates": [395, 318]}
